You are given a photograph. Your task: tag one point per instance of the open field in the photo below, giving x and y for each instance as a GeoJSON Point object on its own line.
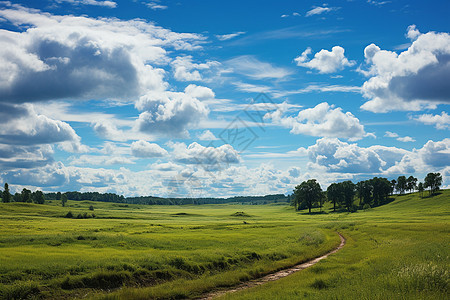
{"type": "Point", "coordinates": [399, 250]}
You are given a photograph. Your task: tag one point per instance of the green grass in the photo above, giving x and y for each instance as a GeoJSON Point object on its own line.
{"type": "Point", "coordinates": [398, 251]}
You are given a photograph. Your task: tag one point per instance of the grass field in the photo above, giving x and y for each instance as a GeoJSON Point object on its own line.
{"type": "Point", "coordinates": [398, 251]}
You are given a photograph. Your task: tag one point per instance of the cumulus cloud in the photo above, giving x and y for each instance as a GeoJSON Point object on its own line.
{"type": "Point", "coordinates": [101, 160]}
{"type": "Point", "coordinates": [415, 79]}
{"type": "Point", "coordinates": [23, 126]}
{"type": "Point", "coordinates": [337, 156]}
{"type": "Point", "coordinates": [441, 121]}
{"type": "Point", "coordinates": [14, 157]}
{"type": "Point", "coordinates": [207, 136]}
{"type": "Point", "coordinates": [322, 120]}
{"type": "Point", "coordinates": [251, 67]}
{"type": "Point", "coordinates": [51, 175]}
{"type": "Point", "coordinates": [210, 157]}
{"type": "Point", "coordinates": [404, 139]}
{"type": "Point", "coordinates": [225, 37]}
{"type": "Point", "coordinates": [170, 113]}
{"type": "Point", "coordinates": [68, 57]}
{"type": "Point", "coordinates": [184, 69]}
{"type": "Point", "coordinates": [325, 61]}
{"type": "Point", "coordinates": [145, 149]}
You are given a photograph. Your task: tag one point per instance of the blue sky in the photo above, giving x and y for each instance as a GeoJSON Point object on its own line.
{"type": "Point", "coordinates": [221, 98]}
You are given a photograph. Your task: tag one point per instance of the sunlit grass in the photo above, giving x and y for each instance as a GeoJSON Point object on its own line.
{"type": "Point", "coordinates": [399, 250]}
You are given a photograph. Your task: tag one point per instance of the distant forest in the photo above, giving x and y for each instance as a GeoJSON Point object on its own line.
{"type": "Point", "coordinates": [150, 200]}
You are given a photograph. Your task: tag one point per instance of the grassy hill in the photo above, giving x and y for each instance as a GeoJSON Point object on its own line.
{"type": "Point", "coordinates": [399, 250]}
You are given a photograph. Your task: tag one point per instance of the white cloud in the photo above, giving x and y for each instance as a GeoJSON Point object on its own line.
{"type": "Point", "coordinates": [325, 61]}
{"type": "Point", "coordinates": [251, 67]}
{"type": "Point", "coordinates": [184, 69]}
{"type": "Point", "coordinates": [322, 120]}
{"type": "Point", "coordinates": [406, 139]}
{"type": "Point", "coordinates": [110, 4]}
{"type": "Point", "coordinates": [225, 37]}
{"type": "Point", "coordinates": [412, 80]}
{"type": "Point", "coordinates": [13, 157]}
{"type": "Point", "coordinates": [145, 149]}
{"type": "Point", "coordinates": [199, 92]}
{"type": "Point", "coordinates": [68, 57]}
{"type": "Point", "coordinates": [391, 134]}
{"type": "Point", "coordinates": [170, 113]}
{"type": "Point", "coordinates": [100, 160]}
{"type": "Point", "coordinates": [208, 157]}
{"type": "Point", "coordinates": [320, 10]}
{"type": "Point", "coordinates": [441, 121]}
{"type": "Point", "coordinates": [155, 5]}
{"type": "Point", "coordinates": [21, 125]}
{"type": "Point", "coordinates": [207, 136]}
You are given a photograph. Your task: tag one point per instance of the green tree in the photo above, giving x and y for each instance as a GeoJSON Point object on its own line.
{"type": "Point", "coordinates": [26, 195]}
{"type": "Point", "coordinates": [401, 184]}
{"type": "Point", "coordinates": [307, 193]}
{"type": "Point", "coordinates": [433, 181]}
{"type": "Point", "coordinates": [393, 185]}
{"type": "Point", "coordinates": [421, 189]}
{"type": "Point", "coordinates": [17, 197]}
{"type": "Point", "coordinates": [63, 200]}
{"type": "Point", "coordinates": [6, 198]}
{"type": "Point", "coordinates": [411, 183]}
{"type": "Point", "coordinates": [58, 196]}
{"type": "Point", "coordinates": [38, 197]}
{"type": "Point", "coordinates": [334, 193]}
{"type": "Point", "coordinates": [348, 193]}
{"type": "Point", "coordinates": [360, 191]}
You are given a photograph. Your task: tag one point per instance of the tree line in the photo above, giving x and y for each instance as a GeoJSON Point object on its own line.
{"type": "Point", "coordinates": [25, 196]}
{"type": "Point", "coordinates": [39, 197]}
{"type": "Point", "coordinates": [372, 192]}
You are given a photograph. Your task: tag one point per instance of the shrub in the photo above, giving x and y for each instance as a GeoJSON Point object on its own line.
{"type": "Point", "coordinates": [69, 215]}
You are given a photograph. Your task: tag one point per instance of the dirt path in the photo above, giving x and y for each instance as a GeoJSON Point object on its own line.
{"type": "Point", "coordinates": [273, 276]}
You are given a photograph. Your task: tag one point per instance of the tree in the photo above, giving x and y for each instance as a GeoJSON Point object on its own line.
{"type": "Point", "coordinates": [17, 197]}
{"type": "Point", "coordinates": [411, 183]}
{"type": "Point", "coordinates": [360, 191]}
{"type": "Point", "coordinates": [307, 193]}
{"type": "Point", "coordinates": [348, 193]}
{"type": "Point", "coordinates": [433, 181]}
{"type": "Point", "coordinates": [6, 195]}
{"type": "Point", "coordinates": [38, 197]}
{"type": "Point", "coordinates": [401, 184]}
{"type": "Point", "coordinates": [58, 196]}
{"type": "Point", "coordinates": [63, 200]}
{"type": "Point", "coordinates": [334, 194]}
{"type": "Point", "coordinates": [420, 188]}
{"type": "Point", "coordinates": [26, 195]}
{"type": "Point", "coordinates": [393, 185]}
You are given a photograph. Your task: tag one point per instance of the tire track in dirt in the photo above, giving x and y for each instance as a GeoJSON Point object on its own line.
{"type": "Point", "coordinates": [272, 277]}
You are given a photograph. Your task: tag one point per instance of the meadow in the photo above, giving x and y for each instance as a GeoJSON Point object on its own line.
{"type": "Point", "coordinates": [399, 250]}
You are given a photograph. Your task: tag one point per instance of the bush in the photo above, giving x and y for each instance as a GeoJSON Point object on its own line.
{"type": "Point", "coordinates": [19, 290]}
{"type": "Point", "coordinates": [69, 215]}
{"type": "Point", "coordinates": [91, 207]}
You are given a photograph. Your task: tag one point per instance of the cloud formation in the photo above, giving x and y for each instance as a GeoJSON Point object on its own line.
{"type": "Point", "coordinates": [68, 57]}
{"type": "Point", "coordinates": [145, 149]}
{"type": "Point", "coordinates": [325, 61]}
{"type": "Point", "coordinates": [250, 66]}
{"type": "Point", "coordinates": [323, 120]}
{"type": "Point", "coordinates": [210, 157]}
{"type": "Point", "coordinates": [441, 121]}
{"type": "Point", "coordinates": [170, 113]}
{"type": "Point", "coordinates": [415, 79]}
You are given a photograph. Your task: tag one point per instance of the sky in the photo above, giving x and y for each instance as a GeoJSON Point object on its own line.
{"type": "Point", "coordinates": [221, 98]}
